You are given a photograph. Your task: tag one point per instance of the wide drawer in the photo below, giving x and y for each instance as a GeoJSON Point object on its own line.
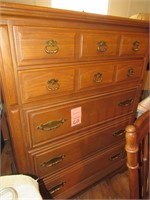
{"type": "Point", "coordinates": [129, 70]}
{"type": "Point", "coordinates": [64, 154]}
{"type": "Point", "coordinates": [134, 44]}
{"type": "Point", "coordinates": [45, 83]}
{"type": "Point", "coordinates": [98, 44]}
{"type": "Point", "coordinates": [50, 123]}
{"type": "Point", "coordinates": [41, 45]}
{"type": "Point", "coordinates": [97, 76]}
{"type": "Point", "coordinates": [86, 172]}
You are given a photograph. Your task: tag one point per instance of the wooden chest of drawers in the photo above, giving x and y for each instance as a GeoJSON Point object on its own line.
{"type": "Point", "coordinates": [71, 83]}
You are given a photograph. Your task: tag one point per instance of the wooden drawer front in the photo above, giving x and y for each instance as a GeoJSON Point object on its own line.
{"type": "Point", "coordinates": [47, 83]}
{"type": "Point", "coordinates": [49, 123]}
{"type": "Point", "coordinates": [134, 44]}
{"type": "Point", "coordinates": [129, 71]}
{"type": "Point", "coordinates": [37, 45]}
{"type": "Point", "coordinates": [96, 166]}
{"type": "Point", "coordinates": [95, 45]}
{"type": "Point", "coordinates": [96, 76]}
{"type": "Point", "coordinates": [61, 156]}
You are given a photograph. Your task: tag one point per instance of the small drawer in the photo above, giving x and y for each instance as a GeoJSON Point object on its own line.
{"type": "Point", "coordinates": [45, 83]}
{"type": "Point", "coordinates": [63, 183]}
{"type": "Point", "coordinates": [50, 123]}
{"type": "Point", "coordinates": [98, 44]}
{"type": "Point", "coordinates": [96, 76]}
{"type": "Point", "coordinates": [127, 71]}
{"type": "Point", "coordinates": [58, 157]}
{"type": "Point", "coordinates": [42, 45]}
{"type": "Point", "coordinates": [134, 44]}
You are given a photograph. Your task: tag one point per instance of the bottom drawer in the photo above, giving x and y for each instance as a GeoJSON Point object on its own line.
{"type": "Point", "coordinates": [68, 182]}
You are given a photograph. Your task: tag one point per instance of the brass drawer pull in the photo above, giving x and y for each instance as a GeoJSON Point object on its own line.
{"type": "Point", "coordinates": [98, 77]}
{"type": "Point", "coordinates": [53, 161]}
{"type": "Point", "coordinates": [56, 188]}
{"type": "Point", "coordinates": [51, 47]}
{"type": "Point", "coordinates": [121, 155]}
{"type": "Point", "coordinates": [130, 72]}
{"type": "Point", "coordinates": [101, 46]}
{"type": "Point", "coordinates": [53, 85]}
{"type": "Point", "coordinates": [116, 156]}
{"type": "Point", "coordinates": [125, 103]}
{"type": "Point", "coordinates": [119, 133]}
{"type": "Point", "coordinates": [136, 46]}
{"type": "Point", "coordinates": [51, 125]}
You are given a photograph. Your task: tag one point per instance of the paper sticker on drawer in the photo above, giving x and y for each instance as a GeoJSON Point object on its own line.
{"type": "Point", "coordinates": [76, 115]}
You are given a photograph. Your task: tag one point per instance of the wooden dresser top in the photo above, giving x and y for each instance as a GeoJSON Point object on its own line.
{"type": "Point", "coordinates": [12, 10]}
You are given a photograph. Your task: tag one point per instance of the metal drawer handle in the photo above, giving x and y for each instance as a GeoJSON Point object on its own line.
{"type": "Point", "coordinates": [130, 72]}
{"type": "Point", "coordinates": [51, 125]}
{"type": "Point", "coordinates": [125, 103]}
{"type": "Point", "coordinates": [101, 46]}
{"type": "Point", "coordinates": [115, 157]}
{"type": "Point", "coordinates": [119, 133]}
{"type": "Point", "coordinates": [136, 46]}
{"type": "Point", "coordinates": [98, 77]}
{"type": "Point", "coordinates": [56, 188]}
{"type": "Point", "coordinates": [51, 47]}
{"type": "Point", "coordinates": [53, 161]}
{"type": "Point", "coordinates": [53, 84]}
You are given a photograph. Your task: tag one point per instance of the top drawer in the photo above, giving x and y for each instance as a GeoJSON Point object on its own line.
{"type": "Point", "coordinates": [98, 44]}
{"type": "Point", "coordinates": [133, 44]}
{"type": "Point", "coordinates": [41, 45]}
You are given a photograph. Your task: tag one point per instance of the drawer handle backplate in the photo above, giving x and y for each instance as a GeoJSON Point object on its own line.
{"type": "Point", "coordinates": [53, 161]}
{"type": "Point", "coordinates": [136, 46]}
{"type": "Point", "coordinates": [116, 156]}
{"type": "Point", "coordinates": [121, 155]}
{"type": "Point", "coordinates": [53, 84]}
{"type": "Point", "coordinates": [125, 103]}
{"type": "Point", "coordinates": [98, 77]}
{"type": "Point", "coordinates": [130, 72]}
{"type": "Point", "coordinates": [119, 133]}
{"type": "Point", "coordinates": [51, 125]}
{"type": "Point", "coordinates": [56, 188]}
{"type": "Point", "coordinates": [51, 47]}
{"type": "Point", "coordinates": [101, 46]}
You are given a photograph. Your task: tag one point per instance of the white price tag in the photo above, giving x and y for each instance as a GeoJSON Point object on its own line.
{"type": "Point", "coordinates": [76, 115]}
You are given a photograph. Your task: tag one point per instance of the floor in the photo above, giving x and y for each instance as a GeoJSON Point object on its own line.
{"type": "Point", "coordinates": [115, 187]}
{"type": "Point", "coordinates": [7, 159]}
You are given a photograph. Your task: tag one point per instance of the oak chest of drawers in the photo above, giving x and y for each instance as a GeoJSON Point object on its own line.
{"type": "Point", "coordinates": [71, 83]}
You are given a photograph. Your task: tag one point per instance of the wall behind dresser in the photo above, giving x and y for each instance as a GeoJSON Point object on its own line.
{"type": "Point", "coordinates": [127, 8]}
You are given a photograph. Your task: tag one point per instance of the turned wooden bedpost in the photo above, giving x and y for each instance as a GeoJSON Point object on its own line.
{"type": "Point", "coordinates": [132, 162]}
